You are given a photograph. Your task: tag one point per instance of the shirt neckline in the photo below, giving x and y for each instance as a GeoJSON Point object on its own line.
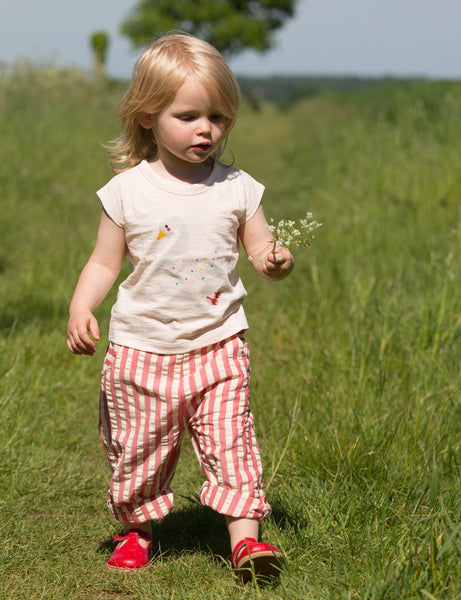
{"type": "Point", "coordinates": [177, 186]}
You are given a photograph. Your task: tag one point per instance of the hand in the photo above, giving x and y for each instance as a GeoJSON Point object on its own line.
{"type": "Point", "coordinates": [79, 327]}
{"type": "Point", "coordinates": [278, 263]}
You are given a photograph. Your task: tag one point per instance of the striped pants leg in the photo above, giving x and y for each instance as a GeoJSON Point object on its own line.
{"type": "Point", "coordinates": [147, 403]}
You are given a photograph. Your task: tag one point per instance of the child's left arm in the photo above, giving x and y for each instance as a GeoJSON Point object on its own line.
{"type": "Point", "coordinates": [257, 240]}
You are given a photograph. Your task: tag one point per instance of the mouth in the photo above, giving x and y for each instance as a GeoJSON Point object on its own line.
{"type": "Point", "coordinates": [205, 147]}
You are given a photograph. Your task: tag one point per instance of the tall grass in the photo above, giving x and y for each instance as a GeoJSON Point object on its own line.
{"type": "Point", "coordinates": [355, 380]}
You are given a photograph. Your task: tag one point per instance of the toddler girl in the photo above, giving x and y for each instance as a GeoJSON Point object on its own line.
{"type": "Point", "coordinates": [177, 359]}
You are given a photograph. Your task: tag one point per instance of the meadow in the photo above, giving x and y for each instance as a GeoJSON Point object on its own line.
{"type": "Point", "coordinates": [355, 357]}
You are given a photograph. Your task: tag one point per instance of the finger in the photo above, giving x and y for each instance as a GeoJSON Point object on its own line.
{"type": "Point", "coordinates": [273, 261]}
{"type": "Point", "coordinates": [82, 342]}
{"type": "Point", "coordinates": [72, 347]}
{"type": "Point", "coordinates": [94, 329]}
{"type": "Point", "coordinates": [83, 336]}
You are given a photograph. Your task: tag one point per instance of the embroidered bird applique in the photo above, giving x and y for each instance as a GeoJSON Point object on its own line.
{"type": "Point", "coordinates": [163, 232]}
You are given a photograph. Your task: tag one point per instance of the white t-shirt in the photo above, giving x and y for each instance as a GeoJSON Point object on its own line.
{"type": "Point", "coordinates": [183, 292]}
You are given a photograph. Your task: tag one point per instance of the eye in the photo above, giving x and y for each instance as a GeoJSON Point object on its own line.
{"type": "Point", "coordinates": [216, 118]}
{"type": "Point", "coordinates": [187, 118]}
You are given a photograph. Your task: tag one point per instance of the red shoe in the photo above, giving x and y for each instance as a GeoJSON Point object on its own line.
{"type": "Point", "coordinates": [264, 558]}
{"type": "Point", "coordinates": [129, 553]}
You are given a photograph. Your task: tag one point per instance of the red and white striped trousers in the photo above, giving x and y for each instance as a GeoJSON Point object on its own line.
{"type": "Point", "coordinates": [149, 400]}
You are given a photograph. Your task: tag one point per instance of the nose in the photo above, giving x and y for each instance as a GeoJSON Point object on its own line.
{"type": "Point", "coordinates": [204, 126]}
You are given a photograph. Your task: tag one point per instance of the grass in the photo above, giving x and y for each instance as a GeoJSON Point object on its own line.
{"type": "Point", "coordinates": [356, 385]}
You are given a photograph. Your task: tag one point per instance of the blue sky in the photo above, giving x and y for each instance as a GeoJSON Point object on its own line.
{"type": "Point", "coordinates": [331, 37]}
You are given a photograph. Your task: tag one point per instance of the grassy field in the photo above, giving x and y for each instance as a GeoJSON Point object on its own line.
{"type": "Point", "coordinates": [356, 380]}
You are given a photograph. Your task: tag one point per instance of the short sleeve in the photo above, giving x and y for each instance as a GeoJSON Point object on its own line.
{"type": "Point", "coordinates": [252, 193]}
{"type": "Point", "coordinates": [111, 200]}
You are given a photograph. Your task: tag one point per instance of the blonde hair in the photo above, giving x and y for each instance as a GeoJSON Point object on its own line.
{"type": "Point", "coordinates": [157, 76]}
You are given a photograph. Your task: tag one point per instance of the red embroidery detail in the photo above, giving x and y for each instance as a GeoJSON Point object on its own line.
{"type": "Point", "coordinates": [214, 300]}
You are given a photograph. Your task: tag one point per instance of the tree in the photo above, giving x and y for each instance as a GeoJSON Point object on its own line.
{"type": "Point", "coordinates": [230, 25]}
{"type": "Point", "coordinates": [99, 44]}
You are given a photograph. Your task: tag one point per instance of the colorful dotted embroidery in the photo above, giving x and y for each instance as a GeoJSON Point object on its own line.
{"type": "Point", "coordinates": [195, 272]}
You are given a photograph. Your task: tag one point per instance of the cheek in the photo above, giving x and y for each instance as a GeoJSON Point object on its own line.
{"type": "Point", "coordinates": [219, 131]}
{"type": "Point", "coordinates": [180, 137]}
{"type": "Point", "coordinates": [173, 134]}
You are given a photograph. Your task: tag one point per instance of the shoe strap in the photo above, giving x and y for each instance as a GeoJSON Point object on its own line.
{"type": "Point", "coordinates": [122, 535]}
{"type": "Point", "coordinates": [243, 544]}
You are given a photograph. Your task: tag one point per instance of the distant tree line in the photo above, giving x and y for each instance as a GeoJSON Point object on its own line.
{"type": "Point", "coordinates": [286, 90]}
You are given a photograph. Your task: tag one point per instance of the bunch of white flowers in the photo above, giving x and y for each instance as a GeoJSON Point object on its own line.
{"type": "Point", "coordinates": [289, 234]}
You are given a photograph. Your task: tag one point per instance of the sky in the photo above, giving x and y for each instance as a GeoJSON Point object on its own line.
{"type": "Point", "coordinates": [401, 38]}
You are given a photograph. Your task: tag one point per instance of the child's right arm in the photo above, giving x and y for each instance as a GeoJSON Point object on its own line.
{"type": "Point", "coordinates": [95, 281]}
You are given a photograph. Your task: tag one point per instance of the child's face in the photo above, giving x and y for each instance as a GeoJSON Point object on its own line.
{"type": "Point", "coordinates": [190, 129]}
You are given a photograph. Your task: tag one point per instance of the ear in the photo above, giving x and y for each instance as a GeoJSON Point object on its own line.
{"type": "Point", "coordinates": [146, 121]}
